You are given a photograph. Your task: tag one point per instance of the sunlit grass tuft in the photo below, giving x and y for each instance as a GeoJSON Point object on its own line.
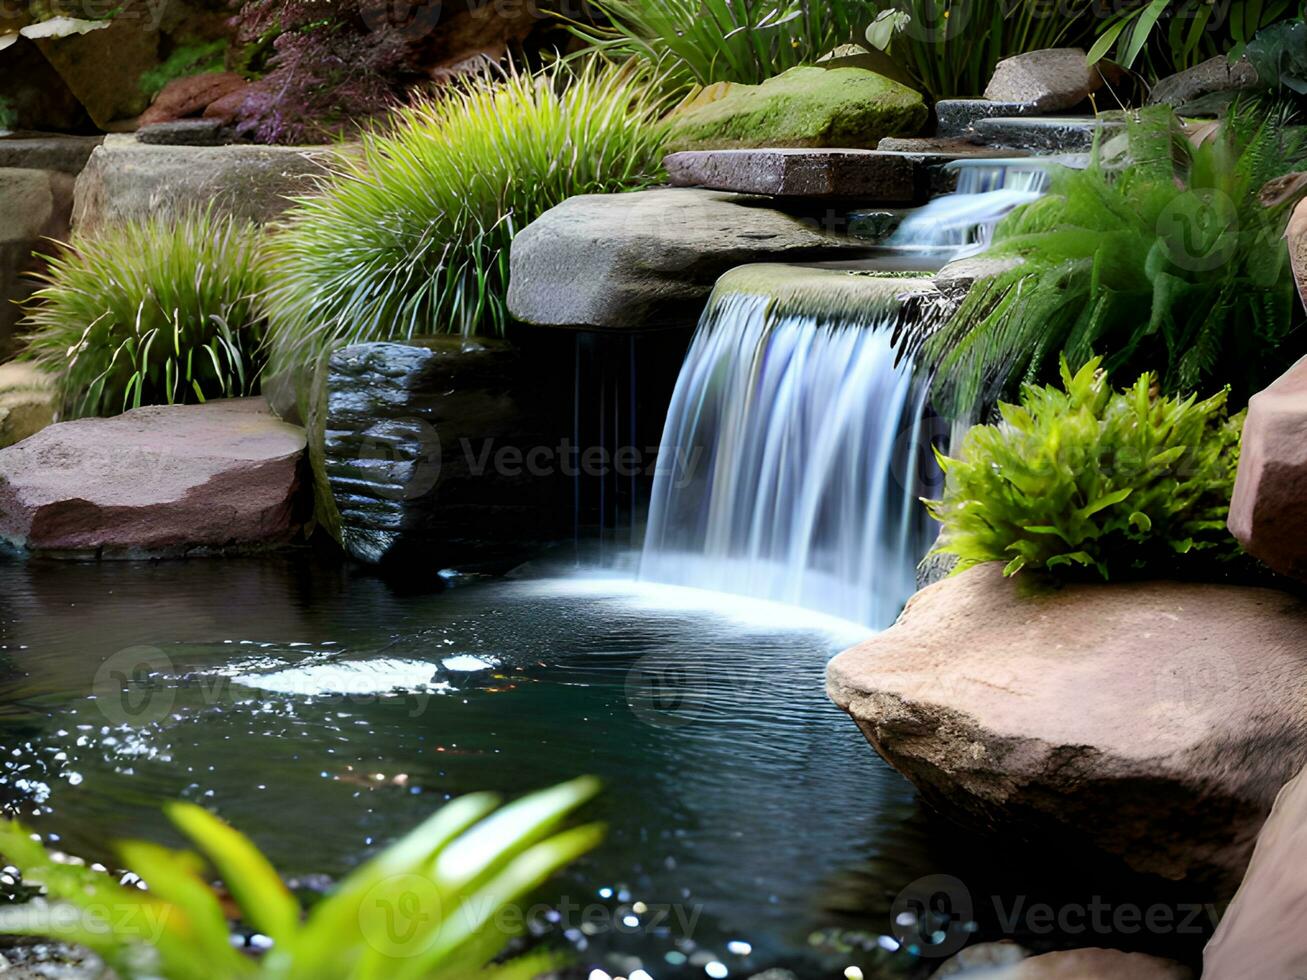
{"type": "Point", "coordinates": [410, 236]}
{"type": "Point", "coordinates": [162, 311]}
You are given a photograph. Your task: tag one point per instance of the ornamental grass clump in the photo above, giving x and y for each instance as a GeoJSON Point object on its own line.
{"type": "Point", "coordinates": [1173, 262]}
{"type": "Point", "coordinates": [157, 312]}
{"type": "Point", "coordinates": [439, 904]}
{"type": "Point", "coordinates": [411, 235]}
{"type": "Point", "coordinates": [705, 41]}
{"type": "Point", "coordinates": [1083, 478]}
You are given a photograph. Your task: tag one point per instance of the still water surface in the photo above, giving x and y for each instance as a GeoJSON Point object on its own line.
{"type": "Point", "coordinates": [324, 712]}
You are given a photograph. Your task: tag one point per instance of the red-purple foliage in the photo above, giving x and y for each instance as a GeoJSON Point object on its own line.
{"type": "Point", "coordinates": [329, 66]}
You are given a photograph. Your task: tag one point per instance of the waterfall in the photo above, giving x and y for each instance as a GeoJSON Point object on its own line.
{"type": "Point", "coordinates": [964, 221]}
{"type": "Point", "coordinates": [794, 452]}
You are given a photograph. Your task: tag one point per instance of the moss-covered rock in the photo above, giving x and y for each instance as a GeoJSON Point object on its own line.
{"type": "Point", "coordinates": [806, 106]}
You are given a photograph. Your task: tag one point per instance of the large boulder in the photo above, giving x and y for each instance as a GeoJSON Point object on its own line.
{"type": "Point", "coordinates": [34, 207]}
{"type": "Point", "coordinates": [1269, 511]}
{"type": "Point", "coordinates": [1261, 933]}
{"type": "Point", "coordinates": [1296, 235]}
{"type": "Point", "coordinates": [155, 482]}
{"type": "Point", "coordinates": [1154, 721]}
{"type": "Point", "coordinates": [649, 259]}
{"type": "Point", "coordinates": [805, 106]}
{"type": "Point", "coordinates": [1049, 80]}
{"type": "Point", "coordinates": [27, 401]}
{"type": "Point", "coordinates": [125, 179]}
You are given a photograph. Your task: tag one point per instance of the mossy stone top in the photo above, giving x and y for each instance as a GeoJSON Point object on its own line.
{"type": "Point", "coordinates": [805, 106]}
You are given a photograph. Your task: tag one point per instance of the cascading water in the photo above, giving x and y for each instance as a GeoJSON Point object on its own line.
{"type": "Point", "coordinates": [964, 221]}
{"type": "Point", "coordinates": [800, 440]}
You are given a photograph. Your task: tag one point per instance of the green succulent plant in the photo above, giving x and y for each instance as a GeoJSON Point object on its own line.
{"type": "Point", "coordinates": [426, 907]}
{"type": "Point", "coordinates": [1085, 478]}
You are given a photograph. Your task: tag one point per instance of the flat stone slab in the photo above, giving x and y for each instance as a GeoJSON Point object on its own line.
{"type": "Point", "coordinates": [1153, 721]}
{"type": "Point", "coordinates": [957, 117]}
{"type": "Point", "coordinates": [27, 401]}
{"type": "Point", "coordinates": [1043, 134]}
{"type": "Point", "coordinates": [155, 482]}
{"type": "Point", "coordinates": [873, 177]}
{"type": "Point", "coordinates": [649, 259]}
{"type": "Point", "coordinates": [126, 179]}
{"type": "Point", "coordinates": [66, 154]}
{"type": "Point", "coordinates": [187, 132]}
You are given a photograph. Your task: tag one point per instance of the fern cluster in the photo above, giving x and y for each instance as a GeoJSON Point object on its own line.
{"type": "Point", "coordinates": [426, 908]}
{"type": "Point", "coordinates": [1083, 477]}
{"type": "Point", "coordinates": [1172, 261]}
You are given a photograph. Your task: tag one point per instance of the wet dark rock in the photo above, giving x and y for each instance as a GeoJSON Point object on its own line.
{"type": "Point", "coordinates": [871, 175]}
{"type": "Point", "coordinates": [440, 452]}
{"type": "Point", "coordinates": [1043, 134]}
{"type": "Point", "coordinates": [1152, 721]}
{"type": "Point", "coordinates": [958, 117]}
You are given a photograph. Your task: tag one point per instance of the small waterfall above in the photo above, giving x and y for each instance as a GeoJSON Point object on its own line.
{"type": "Point", "coordinates": [964, 221]}
{"type": "Point", "coordinates": [796, 446]}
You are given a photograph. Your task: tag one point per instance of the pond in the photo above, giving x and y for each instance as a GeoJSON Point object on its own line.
{"type": "Point", "coordinates": [324, 711]}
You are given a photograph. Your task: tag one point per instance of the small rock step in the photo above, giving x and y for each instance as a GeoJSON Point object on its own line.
{"type": "Point", "coordinates": [1043, 134]}
{"type": "Point", "coordinates": [958, 117]}
{"type": "Point", "coordinates": [164, 481]}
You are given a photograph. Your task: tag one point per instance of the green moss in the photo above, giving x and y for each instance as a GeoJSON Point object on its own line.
{"type": "Point", "coordinates": [806, 106]}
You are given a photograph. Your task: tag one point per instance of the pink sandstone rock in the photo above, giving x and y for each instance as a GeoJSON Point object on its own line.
{"type": "Point", "coordinates": [164, 481]}
{"type": "Point", "coordinates": [1261, 933]}
{"type": "Point", "coordinates": [1153, 721]}
{"type": "Point", "coordinates": [1269, 511]}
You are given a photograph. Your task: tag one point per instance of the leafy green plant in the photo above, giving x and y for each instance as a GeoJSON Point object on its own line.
{"type": "Point", "coordinates": [187, 59]}
{"type": "Point", "coordinates": [429, 906]}
{"type": "Point", "coordinates": [8, 116]}
{"type": "Point", "coordinates": [155, 312]}
{"type": "Point", "coordinates": [411, 235]}
{"type": "Point", "coordinates": [1177, 34]}
{"type": "Point", "coordinates": [1181, 266]}
{"type": "Point", "coordinates": [1087, 478]}
{"type": "Point", "coordinates": [705, 41]}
